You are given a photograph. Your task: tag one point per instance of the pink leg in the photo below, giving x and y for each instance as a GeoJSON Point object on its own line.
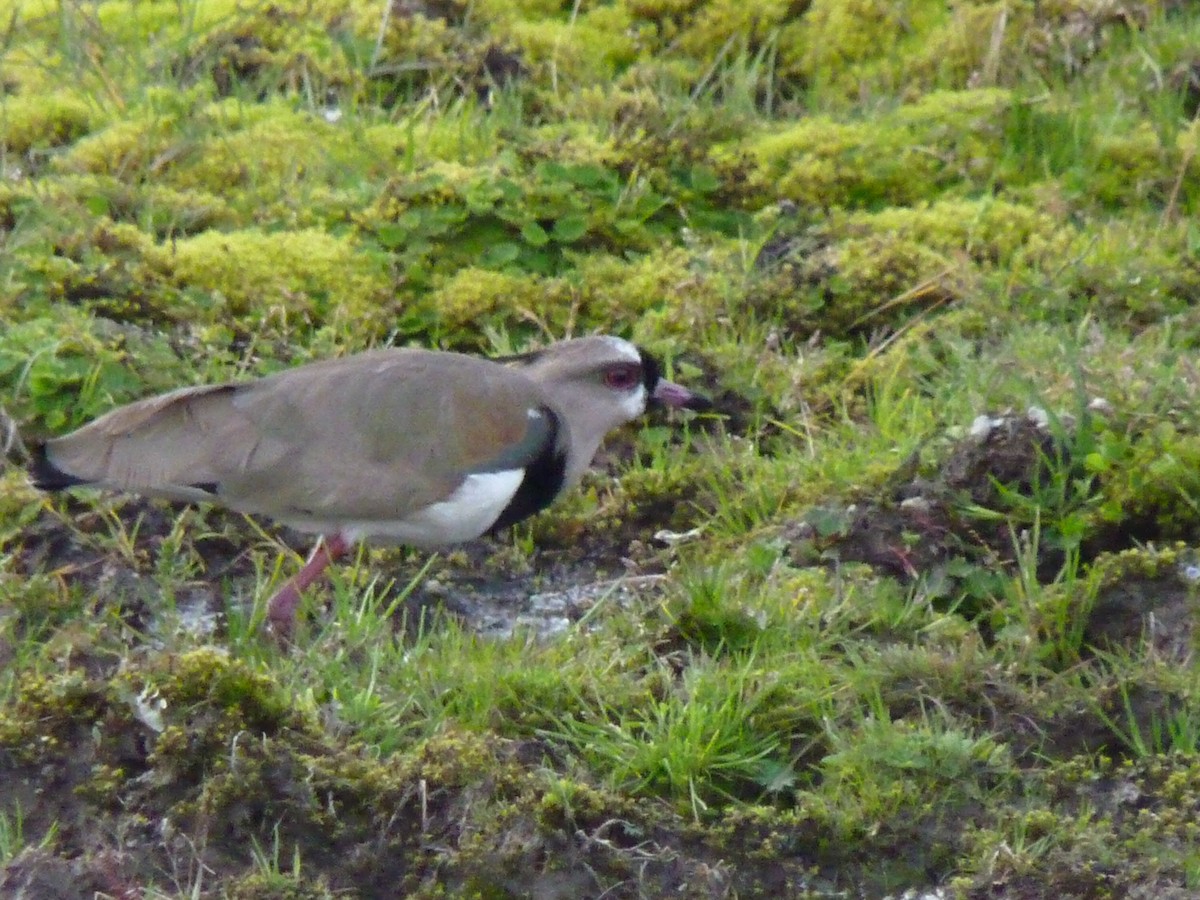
{"type": "Point", "coordinates": [281, 610]}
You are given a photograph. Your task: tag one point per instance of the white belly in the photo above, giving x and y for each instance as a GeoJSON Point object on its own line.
{"type": "Point", "coordinates": [463, 516]}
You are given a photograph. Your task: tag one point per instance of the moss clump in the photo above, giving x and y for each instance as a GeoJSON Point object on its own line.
{"type": "Point", "coordinates": [44, 120]}
{"type": "Point", "coordinates": [1143, 563]}
{"type": "Point", "coordinates": [101, 267]}
{"type": "Point", "coordinates": [19, 504]}
{"type": "Point", "coordinates": [131, 144]}
{"type": "Point", "coordinates": [850, 272]}
{"type": "Point", "coordinates": [991, 232]}
{"type": "Point", "coordinates": [278, 45]}
{"type": "Point", "coordinates": [279, 886]}
{"type": "Point", "coordinates": [624, 290]}
{"type": "Point", "coordinates": [275, 164]}
{"type": "Point", "coordinates": [898, 158]}
{"type": "Point", "coordinates": [1132, 167]}
{"type": "Point", "coordinates": [1156, 483]}
{"type": "Point", "coordinates": [975, 43]}
{"type": "Point", "coordinates": [210, 677]}
{"type": "Point", "coordinates": [1135, 270]}
{"type": "Point", "coordinates": [721, 21]}
{"type": "Point", "coordinates": [308, 275]}
{"type": "Point", "coordinates": [862, 49]}
{"type": "Point", "coordinates": [268, 163]}
{"type": "Point", "coordinates": [48, 713]}
{"type": "Point", "coordinates": [69, 207]}
{"type": "Point", "coordinates": [597, 46]}
{"type": "Point", "coordinates": [1097, 829]}
{"type": "Point", "coordinates": [1065, 36]}
{"type": "Point", "coordinates": [857, 48]}
{"type": "Point", "coordinates": [472, 297]}
{"type": "Point", "coordinates": [603, 293]}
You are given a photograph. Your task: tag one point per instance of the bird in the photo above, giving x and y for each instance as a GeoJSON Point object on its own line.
{"type": "Point", "coordinates": [425, 448]}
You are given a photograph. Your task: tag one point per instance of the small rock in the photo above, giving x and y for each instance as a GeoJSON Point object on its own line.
{"type": "Point", "coordinates": [982, 426]}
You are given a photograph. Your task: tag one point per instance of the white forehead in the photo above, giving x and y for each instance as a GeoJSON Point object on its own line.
{"type": "Point", "coordinates": [623, 348]}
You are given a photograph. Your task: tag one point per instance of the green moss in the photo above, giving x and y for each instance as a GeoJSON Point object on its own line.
{"type": "Point", "coordinates": [991, 232]}
{"type": "Point", "coordinates": [1142, 563]}
{"type": "Point", "coordinates": [900, 157]}
{"type": "Point", "coordinates": [568, 803]}
{"type": "Point", "coordinates": [130, 144]}
{"type": "Point", "coordinates": [1132, 166]}
{"type": "Point", "coordinates": [1158, 482]}
{"type": "Point", "coordinates": [18, 506]}
{"type": "Point", "coordinates": [455, 758]}
{"type": "Point", "coordinates": [308, 275]}
{"type": "Point", "coordinates": [70, 206]}
{"type": "Point", "coordinates": [47, 711]}
{"type": "Point", "coordinates": [511, 10]}
{"type": "Point", "coordinates": [603, 293]}
{"type": "Point", "coordinates": [615, 290]}
{"type": "Point", "coordinates": [43, 120]}
{"type": "Point", "coordinates": [227, 43]}
{"type": "Point", "coordinates": [975, 44]}
{"type": "Point", "coordinates": [279, 886]}
{"type": "Point", "coordinates": [857, 48]}
{"type": "Point", "coordinates": [267, 163]}
{"type": "Point", "coordinates": [281, 43]}
{"type": "Point", "coordinates": [37, 606]}
{"type": "Point", "coordinates": [210, 676]}
{"type": "Point", "coordinates": [275, 164]}
{"type": "Point", "coordinates": [1135, 269]}
{"type": "Point", "coordinates": [97, 266]}
{"type": "Point", "coordinates": [431, 39]}
{"type": "Point", "coordinates": [595, 47]}
{"type": "Point", "coordinates": [866, 269]}
{"type": "Point", "coordinates": [721, 21]}
{"type": "Point", "coordinates": [821, 162]}
{"type": "Point", "coordinates": [1100, 830]}
{"type": "Point", "coordinates": [473, 297]}
{"type": "Point", "coordinates": [25, 69]}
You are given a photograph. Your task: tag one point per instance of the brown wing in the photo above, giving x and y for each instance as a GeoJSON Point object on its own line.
{"type": "Point", "coordinates": [372, 436]}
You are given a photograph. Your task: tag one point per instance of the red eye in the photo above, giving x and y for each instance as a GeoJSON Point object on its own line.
{"type": "Point", "coordinates": [623, 376]}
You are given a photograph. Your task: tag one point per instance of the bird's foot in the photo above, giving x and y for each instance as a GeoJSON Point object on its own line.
{"type": "Point", "coordinates": [281, 612]}
{"type": "Point", "coordinates": [281, 608]}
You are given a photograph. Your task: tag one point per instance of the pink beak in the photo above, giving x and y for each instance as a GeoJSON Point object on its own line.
{"type": "Point", "coordinates": [670, 394]}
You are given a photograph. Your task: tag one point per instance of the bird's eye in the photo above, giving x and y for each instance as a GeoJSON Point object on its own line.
{"type": "Point", "coordinates": [622, 377]}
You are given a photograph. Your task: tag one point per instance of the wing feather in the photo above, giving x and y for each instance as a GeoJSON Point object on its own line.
{"type": "Point", "coordinates": [374, 436]}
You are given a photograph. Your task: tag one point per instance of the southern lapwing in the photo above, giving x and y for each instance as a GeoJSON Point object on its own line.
{"type": "Point", "coordinates": [415, 447]}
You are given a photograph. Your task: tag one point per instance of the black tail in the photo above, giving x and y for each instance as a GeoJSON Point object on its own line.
{"type": "Point", "coordinates": [45, 475]}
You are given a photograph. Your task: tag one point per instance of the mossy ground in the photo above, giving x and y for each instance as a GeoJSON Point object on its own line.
{"type": "Point", "coordinates": [915, 611]}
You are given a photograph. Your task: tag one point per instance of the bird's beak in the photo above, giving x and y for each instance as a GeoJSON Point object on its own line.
{"type": "Point", "coordinates": [670, 394]}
